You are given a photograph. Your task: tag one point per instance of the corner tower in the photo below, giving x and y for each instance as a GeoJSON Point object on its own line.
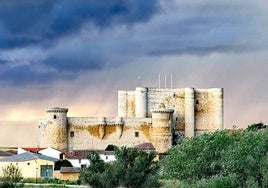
{"type": "Point", "coordinates": [53, 130]}
{"type": "Point", "coordinates": [161, 132]}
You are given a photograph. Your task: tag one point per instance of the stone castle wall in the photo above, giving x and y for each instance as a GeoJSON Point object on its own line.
{"type": "Point", "coordinates": [195, 110]}
{"type": "Point", "coordinates": [98, 133]}
{"type": "Point", "coordinates": [144, 115]}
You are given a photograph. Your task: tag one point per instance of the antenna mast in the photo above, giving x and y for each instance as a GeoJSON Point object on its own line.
{"type": "Point", "coordinates": [159, 81]}
{"type": "Point", "coordinates": [171, 81]}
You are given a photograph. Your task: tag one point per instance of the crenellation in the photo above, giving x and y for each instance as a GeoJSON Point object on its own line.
{"type": "Point", "coordinates": [145, 115]}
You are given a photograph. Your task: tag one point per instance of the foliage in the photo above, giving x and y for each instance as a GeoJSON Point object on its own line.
{"type": "Point", "coordinates": [133, 168]}
{"type": "Point", "coordinates": [62, 163]}
{"type": "Point", "coordinates": [214, 181]}
{"type": "Point", "coordinates": [197, 157]}
{"type": "Point", "coordinates": [136, 168]}
{"type": "Point", "coordinates": [98, 174]}
{"type": "Point", "coordinates": [11, 177]}
{"type": "Point", "coordinates": [256, 126]}
{"type": "Point", "coordinates": [239, 157]}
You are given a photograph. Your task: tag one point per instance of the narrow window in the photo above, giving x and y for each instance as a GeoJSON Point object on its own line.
{"type": "Point", "coordinates": [136, 134]}
{"type": "Point", "coordinates": [79, 160]}
{"type": "Point", "coordinates": [55, 117]}
{"type": "Point", "coordinates": [196, 101]}
{"type": "Point", "coordinates": [61, 156]}
{"type": "Point", "coordinates": [72, 134]}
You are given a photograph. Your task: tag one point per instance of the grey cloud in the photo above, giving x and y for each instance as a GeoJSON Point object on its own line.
{"type": "Point", "coordinates": [21, 75]}
{"type": "Point", "coordinates": [32, 22]}
{"type": "Point", "coordinates": [193, 29]}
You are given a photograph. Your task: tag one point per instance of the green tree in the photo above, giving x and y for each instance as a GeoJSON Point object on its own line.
{"type": "Point", "coordinates": [94, 174]}
{"type": "Point", "coordinates": [246, 158]}
{"type": "Point", "coordinates": [256, 126]}
{"type": "Point", "coordinates": [197, 157]}
{"type": "Point", "coordinates": [221, 157]}
{"type": "Point", "coordinates": [62, 163]}
{"type": "Point", "coordinates": [136, 168]}
{"type": "Point", "coordinates": [132, 169]}
{"type": "Point", "coordinates": [11, 177]}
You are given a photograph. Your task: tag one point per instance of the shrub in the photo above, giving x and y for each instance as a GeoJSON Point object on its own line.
{"type": "Point", "coordinates": [12, 177]}
{"type": "Point", "coordinates": [240, 156]}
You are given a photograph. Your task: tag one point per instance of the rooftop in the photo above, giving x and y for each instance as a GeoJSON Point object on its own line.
{"type": "Point", "coordinates": [27, 156]}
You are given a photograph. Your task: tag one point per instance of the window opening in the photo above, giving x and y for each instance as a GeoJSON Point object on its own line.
{"type": "Point", "coordinates": [72, 134]}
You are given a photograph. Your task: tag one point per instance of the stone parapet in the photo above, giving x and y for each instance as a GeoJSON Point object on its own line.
{"type": "Point", "coordinates": [57, 110]}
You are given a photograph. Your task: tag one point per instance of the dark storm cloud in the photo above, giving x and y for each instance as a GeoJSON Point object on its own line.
{"type": "Point", "coordinates": [28, 22]}
{"type": "Point", "coordinates": [26, 74]}
{"type": "Point", "coordinates": [74, 63]}
{"type": "Point", "coordinates": [79, 36]}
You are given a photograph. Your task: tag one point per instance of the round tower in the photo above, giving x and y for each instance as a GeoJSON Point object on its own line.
{"type": "Point", "coordinates": [141, 102]}
{"type": "Point", "coordinates": [53, 130]}
{"type": "Point", "coordinates": [161, 134]}
{"type": "Point", "coordinates": [189, 112]}
{"type": "Point", "coordinates": [218, 108]}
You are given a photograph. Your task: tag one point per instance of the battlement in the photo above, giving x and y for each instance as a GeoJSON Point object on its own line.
{"type": "Point", "coordinates": [145, 115]}
{"type": "Point", "coordinates": [57, 110]}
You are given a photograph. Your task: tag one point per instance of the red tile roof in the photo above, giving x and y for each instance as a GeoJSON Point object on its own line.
{"type": "Point", "coordinates": [33, 150]}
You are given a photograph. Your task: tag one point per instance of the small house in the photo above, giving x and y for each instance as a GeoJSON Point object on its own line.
{"type": "Point", "coordinates": [32, 165]}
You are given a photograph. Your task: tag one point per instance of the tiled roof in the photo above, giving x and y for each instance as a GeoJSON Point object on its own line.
{"type": "Point", "coordinates": [146, 147]}
{"type": "Point", "coordinates": [14, 152]}
{"type": "Point", "coordinates": [27, 156]}
{"type": "Point", "coordinates": [69, 169]}
{"type": "Point", "coordinates": [33, 150]}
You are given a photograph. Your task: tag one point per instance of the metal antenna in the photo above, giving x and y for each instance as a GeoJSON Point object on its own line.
{"type": "Point", "coordinates": [159, 81]}
{"type": "Point", "coordinates": [165, 81]}
{"type": "Point", "coordinates": [171, 81]}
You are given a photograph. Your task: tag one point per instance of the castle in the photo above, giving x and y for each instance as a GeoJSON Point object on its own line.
{"type": "Point", "coordinates": [146, 115]}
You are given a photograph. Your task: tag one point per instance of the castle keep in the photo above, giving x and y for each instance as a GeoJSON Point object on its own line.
{"type": "Point", "coordinates": [146, 115]}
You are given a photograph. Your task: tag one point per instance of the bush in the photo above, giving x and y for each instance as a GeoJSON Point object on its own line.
{"type": "Point", "coordinates": [62, 163]}
{"type": "Point", "coordinates": [133, 168]}
{"type": "Point", "coordinates": [214, 182]}
{"type": "Point", "coordinates": [12, 177]}
{"type": "Point", "coordinates": [240, 156]}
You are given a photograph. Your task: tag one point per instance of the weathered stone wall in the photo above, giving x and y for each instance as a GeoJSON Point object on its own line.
{"type": "Point", "coordinates": [189, 112]}
{"type": "Point", "coordinates": [126, 103]}
{"type": "Point", "coordinates": [53, 130]}
{"type": "Point", "coordinates": [162, 122]}
{"type": "Point", "coordinates": [195, 111]}
{"type": "Point", "coordinates": [198, 111]}
{"type": "Point", "coordinates": [208, 110]}
{"type": "Point", "coordinates": [94, 133]}
{"type": "Point", "coordinates": [141, 102]}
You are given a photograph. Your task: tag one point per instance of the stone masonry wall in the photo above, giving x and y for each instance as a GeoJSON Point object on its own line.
{"type": "Point", "coordinates": [206, 107]}
{"type": "Point", "coordinates": [91, 133]}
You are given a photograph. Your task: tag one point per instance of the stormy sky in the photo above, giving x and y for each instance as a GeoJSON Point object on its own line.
{"type": "Point", "coordinates": [78, 54]}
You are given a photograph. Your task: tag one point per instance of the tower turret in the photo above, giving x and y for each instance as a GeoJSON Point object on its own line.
{"type": "Point", "coordinates": [141, 103]}
{"type": "Point", "coordinates": [189, 112]}
{"type": "Point", "coordinates": [162, 121]}
{"type": "Point", "coordinates": [53, 130]}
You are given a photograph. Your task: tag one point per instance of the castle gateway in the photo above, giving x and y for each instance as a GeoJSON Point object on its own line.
{"type": "Point", "coordinates": [146, 115]}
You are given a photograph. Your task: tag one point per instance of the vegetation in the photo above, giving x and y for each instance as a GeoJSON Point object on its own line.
{"type": "Point", "coordinates": [256, 126]}
{"type": "Point", "coordinates": [12, 177]}
{"type": "Point", "coordinates": [221, 159]}
{"type": "Point", "coordinates": [132, 169]}
{"type": "Point", "coordinates": [62, 163]}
